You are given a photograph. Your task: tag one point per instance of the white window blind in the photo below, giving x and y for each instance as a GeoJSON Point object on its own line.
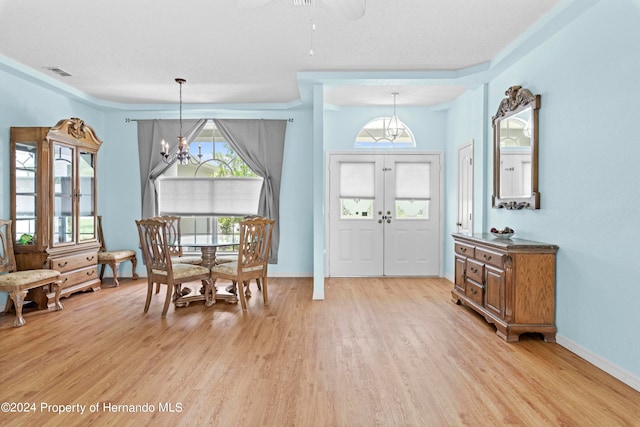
{"type": "Point", "coordinates": [357, 180]}
{"type": "Point", "coordinates": [199, 196]}
{"type": "Point", "coordinates": [412, 181]}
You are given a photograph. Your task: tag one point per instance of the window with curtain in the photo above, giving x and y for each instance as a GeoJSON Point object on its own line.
{"type": "Point", "coordinates": [212, 194]}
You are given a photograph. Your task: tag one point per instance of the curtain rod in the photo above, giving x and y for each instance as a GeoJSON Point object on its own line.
{"type": "Point", "coordinates": [129, 120]}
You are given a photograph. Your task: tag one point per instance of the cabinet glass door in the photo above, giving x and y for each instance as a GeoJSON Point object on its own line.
{"type": "Point", "coordinates": [87, 215]}
{"type": "Point", "coordinates": [63, 194]}
{"type": "Point", "coordinates": [26, 193]}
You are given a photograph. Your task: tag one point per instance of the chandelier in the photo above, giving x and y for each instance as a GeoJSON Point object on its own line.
{"type": "Point", "coordinates": [182, 155]}
{"type": "Point", "coordinates": [395, 126]}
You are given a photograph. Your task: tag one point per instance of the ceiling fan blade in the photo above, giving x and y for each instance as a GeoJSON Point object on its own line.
{"type": "Point", "coordinates": [350, 9]}
{"type": "Point", "coordinates": [251, 4]}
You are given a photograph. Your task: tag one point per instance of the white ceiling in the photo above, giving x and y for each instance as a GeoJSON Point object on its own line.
{"type": "Point", "coordinates": [250, 51]}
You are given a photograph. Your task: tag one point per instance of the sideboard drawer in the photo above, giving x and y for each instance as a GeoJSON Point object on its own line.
{"type": "Point", "coordinates": [475, 270]}
{"type": "Point", "coordinates": [490, 257]}
{"type": "Point", "coordinates": [79, 276]}
{"type": "Point", "coordinates": [465, 250]}
{"type": "Point", "coordinates": [73, 262]}
{"type": "Point", "coordinates": [474, 291]}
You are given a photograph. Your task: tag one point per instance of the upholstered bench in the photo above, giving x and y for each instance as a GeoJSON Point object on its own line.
{"type": "Point", "coordinates": [18, 283]}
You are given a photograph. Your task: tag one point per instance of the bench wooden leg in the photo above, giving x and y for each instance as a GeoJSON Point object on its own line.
{"type": "Point", "coordinates": [18, 299]}
{"type": "Point", "coordinates": [134, 262]}
{"type": "Point", "coordinates": [114, 268]}
{"type": "Point", "coordinates": [58, 287]}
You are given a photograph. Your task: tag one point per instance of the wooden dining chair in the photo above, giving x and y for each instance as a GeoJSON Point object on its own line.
{"type": "Point", "coordinates": [253, 258]}
{"type": "Point", "coordinates": [113, 258]}
{"type": "Point", "coordinates": [174, 240]}
{"type": "Point", "coordinates": [160, 268]}
{"type": "Point", "coordinates": [18, 283]}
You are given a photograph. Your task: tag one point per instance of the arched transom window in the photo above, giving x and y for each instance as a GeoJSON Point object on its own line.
{"type": "Point", "coordinates": [383, 133]}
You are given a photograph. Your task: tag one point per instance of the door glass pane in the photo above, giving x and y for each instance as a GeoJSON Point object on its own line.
{"type": "Point", "coordinates": [416, 208]}
{"type": "Point", "coordinates": [26, 193]}
{"type": "Point", "coordinates": [413, 190]}
{"type": "Point", "coordinates": [357, 190]}
{"type": "Point", "coordinates": [356, 208]}
{"type": "Point", "coordinates": [86, 170]}
{"type": "Point", "coordinates": [62, 194]}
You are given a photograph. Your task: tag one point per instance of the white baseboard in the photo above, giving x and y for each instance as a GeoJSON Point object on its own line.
{"type": "Point", "coordinates": [615, 371]}
{"type": "Point", "coordinates": [272, 274]}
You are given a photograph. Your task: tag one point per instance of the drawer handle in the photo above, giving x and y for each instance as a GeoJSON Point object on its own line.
{"type": "Point", "coordinates": [62, 265]}
{"type": "Point", "coordinates": [91, 273]}
{"type": "Point", "coordinates": [463, 249]}
{"type": "Point", "coordinates": [486, 257]}
{"type": "Point", "coordinates": [474, 291]}
{"type": "Point", "coordinates": [90, 258]}
{"type": "Point", "coordinates": [65, 280]}
{"type": "Point", "coordinates": [474, 270]}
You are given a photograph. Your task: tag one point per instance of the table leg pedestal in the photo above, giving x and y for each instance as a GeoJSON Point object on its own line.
{"type": "Point", "coordinates": [221, 294]}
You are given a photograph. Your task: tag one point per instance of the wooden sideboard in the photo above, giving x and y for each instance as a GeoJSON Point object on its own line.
{"type": "Point", "coordinates": [511, 282]}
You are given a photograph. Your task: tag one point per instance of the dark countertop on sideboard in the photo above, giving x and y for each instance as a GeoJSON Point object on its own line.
{"type": "Point", "coordinates": [512, 245]}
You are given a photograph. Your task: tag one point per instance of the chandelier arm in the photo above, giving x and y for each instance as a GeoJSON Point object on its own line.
{"type": "Point", "coordinates": [182, 154]}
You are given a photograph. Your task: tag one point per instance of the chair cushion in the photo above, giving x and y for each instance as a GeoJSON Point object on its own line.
{"type": "Point", "coordinates": [226, 258]}
{"type": "Point", "coordinates": [182, 271]}
{"type": "Point", "coordinates": [20, 279]}
{"type": "Point", "coordinates": [232, 268]}
{"type": "Point", "coordinates": [186, 260]}
{"type": "Point", "coordinates": [107, 256]}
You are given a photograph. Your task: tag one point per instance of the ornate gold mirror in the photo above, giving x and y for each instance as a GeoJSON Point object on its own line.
{"type": "Point", "coordinates": [515, 151]}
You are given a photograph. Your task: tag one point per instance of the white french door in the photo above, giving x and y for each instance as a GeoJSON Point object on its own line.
{"type": "Point", "coordinates": [384, 215]}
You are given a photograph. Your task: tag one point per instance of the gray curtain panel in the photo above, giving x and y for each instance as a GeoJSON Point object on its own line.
{"type": "Point", "coordinates": [152, 165]}
{"type": "Point", "coordinates": [260, 144]}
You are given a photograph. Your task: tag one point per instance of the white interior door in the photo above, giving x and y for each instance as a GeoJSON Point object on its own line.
{"type": "Point", "coordinates": [412, 206]}
{"type": "Point", "coordinates": [465, 189]}
{"type": "Point", "coordinates": [355, 238]}
{"type": "Point", "coordinates": [384, 215]}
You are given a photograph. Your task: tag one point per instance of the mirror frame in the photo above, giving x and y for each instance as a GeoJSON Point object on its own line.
{"type": "Point", "coordinates": [517, 100]}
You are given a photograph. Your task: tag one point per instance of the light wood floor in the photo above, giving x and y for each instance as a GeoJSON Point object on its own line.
{"type": "Point", "coordinates": [376, 352]}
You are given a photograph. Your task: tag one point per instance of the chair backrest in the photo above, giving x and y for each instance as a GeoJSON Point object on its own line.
{"type": "Point", "coordinates": [103, 248]}
{"type": "Point", "coordinates": [173, 233]}
{"type": "Point", "coordinates": [255, 242]}
{"type": "Point", "coordinates": [153, 240]}
{"type": "Point", "coordinates": [7, 258]}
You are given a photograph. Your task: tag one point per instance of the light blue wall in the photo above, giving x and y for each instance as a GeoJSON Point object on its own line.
{"type": "Point", "coordinates": [24, 103]}
{"type": "Point", "coordinates": [465, 123]}
{"type": "Point", "coordinates": [587, 77]}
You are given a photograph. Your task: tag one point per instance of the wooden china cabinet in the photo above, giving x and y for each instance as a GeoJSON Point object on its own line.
{"type": "Point", "coordinates": [53, 204]}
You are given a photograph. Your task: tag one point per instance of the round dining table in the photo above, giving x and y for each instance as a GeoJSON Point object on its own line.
{"type": "Point", "coordinates": [208, 246]}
